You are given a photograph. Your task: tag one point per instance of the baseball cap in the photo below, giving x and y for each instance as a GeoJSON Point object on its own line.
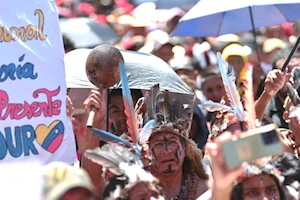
{"type": "Point", "coordinates": [60, 177]}
{"type": "Point", "coordinates": [235, 50]}
{"type": "Point", "coordinates": [272, 44]}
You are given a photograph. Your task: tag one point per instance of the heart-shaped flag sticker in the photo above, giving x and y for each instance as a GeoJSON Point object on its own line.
{"type": "Point", "coordinates": [50, 137]}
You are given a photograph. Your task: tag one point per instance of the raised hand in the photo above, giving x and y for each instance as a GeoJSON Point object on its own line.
{"type": "Point", "coordinates": [275, 81]}
{"type": "Point", "coordinates": [96, 98]}
{"type": "Point", "coordinates": [223, 177]}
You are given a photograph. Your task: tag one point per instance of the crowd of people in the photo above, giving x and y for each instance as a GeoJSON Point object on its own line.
{"type": "Point", "coordinates": [178, 152]}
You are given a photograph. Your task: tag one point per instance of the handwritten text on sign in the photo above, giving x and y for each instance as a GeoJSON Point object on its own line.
{"type": "Point", "coordinates": [29, 33]}
{"type": "Point", "coordinates": [21, 140]}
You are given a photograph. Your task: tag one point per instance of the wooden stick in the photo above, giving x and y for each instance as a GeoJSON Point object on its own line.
{"type": "Point", "coordinates": [291, 55]}
{"type": "Point", "coordinates": [94, 110]}
{"type": "Point", "coordinates": [91, 117]}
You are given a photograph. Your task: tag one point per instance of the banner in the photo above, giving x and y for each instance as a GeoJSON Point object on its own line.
{"type": "Point", "coordinates": [33, 121]}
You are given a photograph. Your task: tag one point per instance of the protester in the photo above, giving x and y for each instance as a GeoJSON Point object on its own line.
{"type": "Point", "coordinates": [223, 178]}
{"type": "Point", "coordinates": [270, 48]}
{"type": "Point", "coordinates": [276, 98]}
{"type": "Point", "coordinates": [118, 126]}
{"type": "Point", "coordinates": [160, 44]}
{"type": "Point", "coordinates": [175, 159]}
{"type": "Point", "coordinates": [289, 165]}
{"type": "Point", "coordinates": [212, 85]}
{"type": "Point", "coordinates": [236, 56]}
{"type": "Point", "coordinates": [177, 163]}
{"type": "Point", "coordinates": [182, 151]}
{"type": "Point", "coordinates": [115, 107]}
{"type": "Point", "coordinates": [185, 65]}
{"type": "Point", "coordinates": [291, 117]}
{"type": "Point", "coordinates": [274, 83]}
{"type": "Point", "coordinates": [259, 182]}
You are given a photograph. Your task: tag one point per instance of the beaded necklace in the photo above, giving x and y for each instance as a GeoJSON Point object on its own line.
{"type": "Point", "coordinates": [189, 186]}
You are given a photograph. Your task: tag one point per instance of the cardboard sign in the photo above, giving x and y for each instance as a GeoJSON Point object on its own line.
{"type": "Point", "coordinates": [33, 120]}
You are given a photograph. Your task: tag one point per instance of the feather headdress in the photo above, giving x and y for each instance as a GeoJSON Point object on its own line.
{"type": "Point", "coordinates": [111, 138]}
{"type": "Point", "coordinates": [235, 106]}
{"type": "Point", "coordinates": [132, 120]}
{"type": "Point", "coordinates": [255, 168]}
{"type": "Point", "coordinates": [112, 156]}
{"type": "Point", "coordinates": [125, 165]}
{"type": "Point", "coordinates": [165, 108]}
{"type": "Point", "coordinates": [232, 94]}
{"type": "Point", "coordinates": [216, 107]}
{"type": "Point", "coordinates": [235, 111]}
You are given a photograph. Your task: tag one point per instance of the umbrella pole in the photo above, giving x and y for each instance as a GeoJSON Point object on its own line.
{"type": "Point", "coordinates": [254, 33]}
{"type": "Point", "coordinates": [291, 54]}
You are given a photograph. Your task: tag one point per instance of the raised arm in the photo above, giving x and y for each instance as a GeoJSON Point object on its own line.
{"type": "Point", "coordinates": [96, 99]}
{"type": "Point", "coordinates": [222, 177]}
{"type": "Point", "coordinates": [274, 82]}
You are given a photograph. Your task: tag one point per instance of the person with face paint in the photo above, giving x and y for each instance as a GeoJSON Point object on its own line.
{"type": "Point", "coordinates": [176, 162]}
{"type": "Point", "coordinates": [175, 159]}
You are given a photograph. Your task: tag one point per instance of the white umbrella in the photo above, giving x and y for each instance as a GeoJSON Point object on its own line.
{"type": "Point", "coordinates": [143, 72]}
{"type": "Point", "coordinates": [75, 69]}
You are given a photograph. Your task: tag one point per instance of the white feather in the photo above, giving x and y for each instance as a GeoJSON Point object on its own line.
{"type": "Point", "coordinates": [213, 106]}
{"type": "Point", "coordinates": [230, 88]}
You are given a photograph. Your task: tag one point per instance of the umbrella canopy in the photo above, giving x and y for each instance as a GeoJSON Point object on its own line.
{"type": "Point", "coordinates": [85, 32]}
{"type": "Point", "coordinates": [143, 72]}
{"type": "Point", "coordinates": [219, 17]}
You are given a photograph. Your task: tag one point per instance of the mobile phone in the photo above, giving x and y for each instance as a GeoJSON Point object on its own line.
{"type": "Point", "coordinates": [251, 145]}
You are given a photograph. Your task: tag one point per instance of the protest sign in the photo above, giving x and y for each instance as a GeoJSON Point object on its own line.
{"type": "Point", "coordinates": [33, 120]}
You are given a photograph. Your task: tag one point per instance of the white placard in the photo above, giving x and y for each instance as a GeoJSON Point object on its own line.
{"type": "Point", "coordinates": [33, 121]}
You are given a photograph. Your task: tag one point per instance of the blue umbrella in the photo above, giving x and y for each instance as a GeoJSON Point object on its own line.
{"type": "Point", "coordinates": [219, 17]}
